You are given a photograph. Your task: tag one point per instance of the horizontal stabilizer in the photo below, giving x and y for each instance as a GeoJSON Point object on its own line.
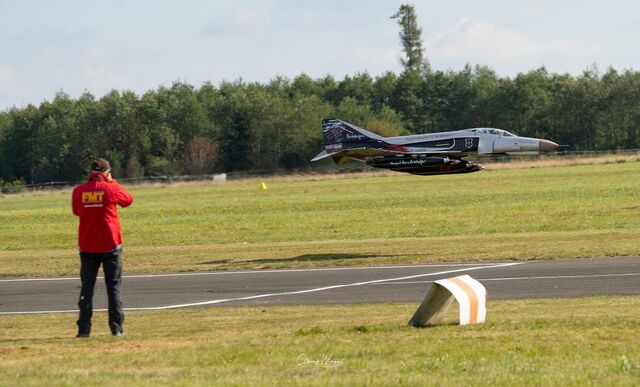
{"type": "Point", "coordinates": [324, 154]}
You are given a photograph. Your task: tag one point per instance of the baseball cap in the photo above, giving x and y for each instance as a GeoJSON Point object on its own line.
{"type": "Point", "coordinates": [100, 165]}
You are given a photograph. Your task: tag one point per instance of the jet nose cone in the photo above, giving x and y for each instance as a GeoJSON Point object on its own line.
{"type": "Point", "coordinates": [547, 146]}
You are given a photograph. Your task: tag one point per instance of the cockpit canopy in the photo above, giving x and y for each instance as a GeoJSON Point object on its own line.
{"type": "Point", "coordinates": [497, 132]}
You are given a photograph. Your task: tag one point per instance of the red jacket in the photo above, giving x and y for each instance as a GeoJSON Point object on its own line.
{"type": "Point", "coordinates": [95, 203]}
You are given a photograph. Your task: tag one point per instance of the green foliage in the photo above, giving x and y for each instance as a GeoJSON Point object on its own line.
{"type": "Point", "coordinates": [159, 166]}
{"type": "Point", "coordinates": [410, 36]}
{"type": "Point", "coordinates": [252, 126]}
{"type": "Point", "coordinates": [15, 186]}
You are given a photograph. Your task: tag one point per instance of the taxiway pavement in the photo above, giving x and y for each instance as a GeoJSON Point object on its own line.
{"type": "Point", "coordinates": [336, 285]}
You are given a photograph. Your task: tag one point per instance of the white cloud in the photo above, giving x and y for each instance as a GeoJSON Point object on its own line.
{"type": "Point", "coordinates": [531, 12]}
{"type": "Point", "coordinates": [15, 90]}
{"type": "Point", "coordinates": [235, 21]}
{"type": "Point", "coordinates": [452, 30]}
{"type": "Point", "coordinates": [246, 16]}
{"type": "Point", "coordinates": [102, 79]}
{"type": "Point", "coordinates": [479, 42]}
{"type": "Point", "coordinates": [6, 75]}
{"type": "Point", "coordinates": [377, 59]}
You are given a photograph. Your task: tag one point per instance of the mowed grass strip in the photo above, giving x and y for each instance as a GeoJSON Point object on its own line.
{"type": "Point", "coordinates": [280, 255]}
{"type": "Point", "coordinates": [559, 212]}
{"type": "Point", "coordinates": [524, 342]}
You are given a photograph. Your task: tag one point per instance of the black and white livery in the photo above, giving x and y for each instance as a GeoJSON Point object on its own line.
{"type": "Point", "coordinates": [423, 154]}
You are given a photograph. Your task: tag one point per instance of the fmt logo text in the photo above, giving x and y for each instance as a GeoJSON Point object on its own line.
{"type": "Point", "coordinates": [93, 197]}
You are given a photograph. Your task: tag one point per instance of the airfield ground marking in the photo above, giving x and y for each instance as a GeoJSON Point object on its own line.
{"type": "Point", "coordinates": [522, 278]}
{"type": "Point", "coordinates": [44, 279]}
{"type": "Point", "coordinates": [313, 290]}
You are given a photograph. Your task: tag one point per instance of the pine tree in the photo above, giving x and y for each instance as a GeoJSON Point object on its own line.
{"type": "Point", "coordinates": [410, 36]}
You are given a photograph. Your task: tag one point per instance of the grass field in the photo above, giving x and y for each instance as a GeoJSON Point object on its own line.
{"type": "Point", "coordinates": [505, 214]}
{"type": "Point", "coordinates": [554, 211]}
{"type": "Point", "coordinates": [591, 341]}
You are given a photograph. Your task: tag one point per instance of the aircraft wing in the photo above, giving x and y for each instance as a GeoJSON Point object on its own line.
{"type": "Point", "coordinates": [365, 152]}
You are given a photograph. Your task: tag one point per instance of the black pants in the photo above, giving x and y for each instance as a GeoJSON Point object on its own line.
{"type": "Point", "coordinates": [112, 266]}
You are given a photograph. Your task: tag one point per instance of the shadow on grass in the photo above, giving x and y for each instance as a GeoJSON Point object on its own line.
{"type": "Point", "coordinates": [432, 326]}
{"type": "Point", "coordinates": [299, 258]}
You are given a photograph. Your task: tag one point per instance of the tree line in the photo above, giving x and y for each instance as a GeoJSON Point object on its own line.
{"type": "Point", "coordinates": [239, 126]}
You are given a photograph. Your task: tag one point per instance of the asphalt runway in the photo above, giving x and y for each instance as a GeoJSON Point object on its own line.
{"type": "Point", "coordinates": [340, 285]}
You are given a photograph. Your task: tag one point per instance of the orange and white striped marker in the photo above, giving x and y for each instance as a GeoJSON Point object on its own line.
{"type": "Point", "coordinates": [470, 294]}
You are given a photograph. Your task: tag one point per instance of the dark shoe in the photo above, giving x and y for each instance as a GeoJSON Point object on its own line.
{"type": "Point", "coordinates": [82, 335]}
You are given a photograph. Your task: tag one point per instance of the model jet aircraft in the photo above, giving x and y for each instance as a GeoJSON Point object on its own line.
{"type": "Point", "coordinates": [424, 154]}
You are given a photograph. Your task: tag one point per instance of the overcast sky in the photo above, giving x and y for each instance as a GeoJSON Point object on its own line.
{"type": "Point", "coordinates": [99, 45]}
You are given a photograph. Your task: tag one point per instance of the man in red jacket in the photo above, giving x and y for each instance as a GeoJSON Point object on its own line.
{"type": "Point", "coordinates": [100, 242]}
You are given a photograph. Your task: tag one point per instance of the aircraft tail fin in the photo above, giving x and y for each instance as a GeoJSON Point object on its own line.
{"type": "Point", "coordinates": [340, 137]}
{"type": "Point", "coordinates": [340, 132]}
